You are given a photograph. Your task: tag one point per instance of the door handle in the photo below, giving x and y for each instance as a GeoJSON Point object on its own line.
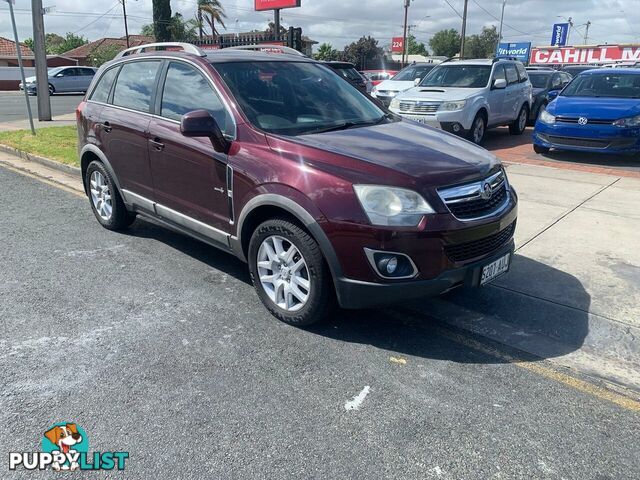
{"type": "Point", "coordinates": [106, 126]}
{"type": "Point", "coordinates": [158, 145]}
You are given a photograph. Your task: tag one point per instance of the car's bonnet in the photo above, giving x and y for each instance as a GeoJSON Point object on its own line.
{"type": "Point", "coordinates": [604, 108]}
{"type": "Point", "coordinates": [439, 93]}
{"type": "Point", "coordinates": [394, 85]}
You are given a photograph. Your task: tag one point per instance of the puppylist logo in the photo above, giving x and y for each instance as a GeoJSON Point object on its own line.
{"type": "Point", "coordinates": [65, 447]}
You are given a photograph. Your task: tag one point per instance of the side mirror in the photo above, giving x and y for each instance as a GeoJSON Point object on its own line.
{"type": "Point", "coordinates": [552, 94]}
{"type": "Point", "coordinates": [200, 123]}
{"type": "Point", "coordinates": [416, 82]}
{"type": "Point", "coordinates": [500, 83]}
{"type": "Point", "coordinates": [58, 75]}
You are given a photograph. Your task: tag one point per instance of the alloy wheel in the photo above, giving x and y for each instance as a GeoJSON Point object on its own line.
{"type": "Point", "coordinates": [478, 130]}
{"type": "Point", "coordinates": [522, 119]}
{"type": "Point", "coordinates": [101, 195]}
{"type": "Point", "coordinates": [283, 273]}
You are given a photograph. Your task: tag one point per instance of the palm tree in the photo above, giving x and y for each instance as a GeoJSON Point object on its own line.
{"type": "Point", "coordinates": [210, 11]}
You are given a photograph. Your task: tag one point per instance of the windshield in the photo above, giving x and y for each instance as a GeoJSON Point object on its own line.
{"type": "Point", "coordinates": [462, 76]}
{"type": "Point", "coordinates": [539, 80]}
{"type": "Point", "coordinates": [52, 71]}
{"type": "Point", "coordinates": [409, 74]}
{"type": "Point", "coordinates": [600, 85]}
{"type": "Point", "coordinates": [296, 98]}
{"type": "Point", "coordinates": [350, 73]}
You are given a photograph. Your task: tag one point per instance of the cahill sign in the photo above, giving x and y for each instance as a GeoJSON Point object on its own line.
{"type": "Point", "coordinates": [581, 55]}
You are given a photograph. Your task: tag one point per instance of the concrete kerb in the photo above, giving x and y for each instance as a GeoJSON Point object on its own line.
{"type": "Point", "coordinates": [41, 160]}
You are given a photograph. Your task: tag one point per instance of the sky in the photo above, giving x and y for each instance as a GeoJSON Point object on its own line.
{"type": "Point", "coordinates": [340, 22]}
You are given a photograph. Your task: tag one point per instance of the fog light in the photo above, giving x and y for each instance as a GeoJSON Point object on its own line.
{"type": "Point", "coordinates": [392, 264]}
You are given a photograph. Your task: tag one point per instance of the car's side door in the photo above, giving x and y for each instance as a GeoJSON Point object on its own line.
{"type": "Point", "coordinates": [124, 127]}
{"type": "Point", "coordinates": [64, 80]}
{"type": "Point", "coordinates": [190, 178]}
{"type": "Point", "coordinates": [496, 96]}
{"type": "Point", "coordinates": [513, 98]}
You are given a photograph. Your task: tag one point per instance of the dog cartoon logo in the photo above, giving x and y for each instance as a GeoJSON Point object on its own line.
{"type": "Point", "coordinates": [67, 439]}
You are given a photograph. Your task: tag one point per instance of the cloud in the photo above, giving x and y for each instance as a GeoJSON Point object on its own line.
{"type": "Point", "coordinates": [342, 21]}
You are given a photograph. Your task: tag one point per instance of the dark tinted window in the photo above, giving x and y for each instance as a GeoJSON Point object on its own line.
{"type": "Point", "coordinates": [87, 72]}
{"type": "Point", "coordinates": [101, 92]}
{"type": "Point", "coordinates": [350, 73]}
{"type": "Point", "coordinates": [522, 73]}
{"type": "Point", "coordinates": [539, 79]}
{"type": "Point", "coordinates": [612, 84]}
{"type": "Point", "coordinates": [512, 73]}
{"type": "Point", "coordinates": [69, 72]}
{"type": "Point", "coordinates": [185, 90]}
{"type": "Point", "coordinates": [134, 85]}
{"type": "Point", "coordinates": [556, 82]}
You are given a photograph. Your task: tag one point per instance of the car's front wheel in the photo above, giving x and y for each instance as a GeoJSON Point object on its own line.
{"type": "Point", "coordinates": [478, 129]}
{"type": "Point", "coordinates": [520, 123]}
{"type": "Point", "coordinates": [106, 202]}
{"type": "Point", "coordinates": [52, 90]}
{"type": "Point", "coordinates": [289, 273]}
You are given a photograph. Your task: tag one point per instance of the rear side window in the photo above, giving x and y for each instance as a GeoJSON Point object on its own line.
{"type": "Point", "coordinates": [185, 90]}
{"type": "Point", "coordinates": [135, 84]}
{"type": "Point", "coordinates": [512, 73]}
{"type": "Point", "coordinates": [101, 92]}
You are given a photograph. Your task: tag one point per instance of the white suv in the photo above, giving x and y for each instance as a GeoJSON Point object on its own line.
{"type": "Point", "coordinates": [466, 97]}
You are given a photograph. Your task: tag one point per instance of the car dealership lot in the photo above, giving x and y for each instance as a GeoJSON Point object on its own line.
{"type": "Point", "coordinates": [147, 337]}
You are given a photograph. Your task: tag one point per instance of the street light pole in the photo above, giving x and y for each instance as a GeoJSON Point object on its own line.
{"type": "Point", "coordinates": [126, 28]}
{"type": "Point", "coordinates": [464, 29]}
{"type": "Point", "coordinates": [404, 41]}
{"type": "Point", "coordinates": [586, 33]}
{"type": "Point", "coordinates": [504, 2]}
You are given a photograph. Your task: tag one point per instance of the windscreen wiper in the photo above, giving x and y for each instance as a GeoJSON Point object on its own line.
{"type": "Point", "coordinates": [347, 125]}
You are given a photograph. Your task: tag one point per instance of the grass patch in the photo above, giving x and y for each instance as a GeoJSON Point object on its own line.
{"type": "Point", "coordinates": [56, 143]}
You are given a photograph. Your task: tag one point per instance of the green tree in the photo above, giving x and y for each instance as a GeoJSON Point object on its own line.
{"type": "Point", "coordinates": [327, 53]}
{"type": "Point", "coordinates": [148, 30]}
{"type": "Point", "coordinates": [162, 20]}
{"type": "Point", "coordinates": [183, 30]}
{"type": "Point", "coordinates": [103, 54]}
{"type": "Point", "coordinates": [416, 48]}
{"type": "Point", "coordinates": [364, 53]}
{"type": "Point", "coordinates": [445, 43]}
{"type": "Point", "coordinates": [482, 45]}
{"type": "Point", "coordinates": [29, 43]}
{"type": "Point", "coordinates": [69, 42]}
{"type": "Point", "coordinates": [210, 12]}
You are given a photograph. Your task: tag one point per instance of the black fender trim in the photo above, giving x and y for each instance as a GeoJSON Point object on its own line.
{"type": "Point", "coordinates": [275, 200]}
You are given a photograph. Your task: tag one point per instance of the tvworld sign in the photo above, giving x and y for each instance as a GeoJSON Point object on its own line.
{"type": "Point", "coordinates": [514, 50]}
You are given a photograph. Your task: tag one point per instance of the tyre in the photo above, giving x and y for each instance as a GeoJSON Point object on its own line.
{"type": "Point", "coordinates": [51, 90]}
{"type": "Point", "coordinates": [289, 273]}
{"type": "Point", "coordinates": [520, 123]}
{"type": "Point", "coordinates": [478, 129]}
{"type": "Point", "coordinates": [539, 149]}
{"type": "Point", "coordinates": [106, 202]}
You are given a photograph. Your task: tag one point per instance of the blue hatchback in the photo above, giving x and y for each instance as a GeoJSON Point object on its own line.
{"type": "Point", "coordinates": [599, 111]}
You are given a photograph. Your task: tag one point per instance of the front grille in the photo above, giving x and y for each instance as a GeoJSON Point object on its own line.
{"type": "Point", "coordinates": [480, 248]}
{"type": "Point", "coordinates": [419, 107]}
{"type": "Point", "coordinates": [477, 199]}
{"type": "Point", "coordinates": [590, 121]}
{"type": "Point", "coordinates": [578, 142]}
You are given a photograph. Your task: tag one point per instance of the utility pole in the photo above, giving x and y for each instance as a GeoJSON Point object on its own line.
{"type": "Point", "coordinates": [504, 2]}
{"type": "Point", "coordinates": [42, 79]}
{"type": "Point", "coordinates": [586, 33]}
{"type": "Point", "coordinates": [20, 66]}
{"type": "Point", "coordinates": [570, 20]}
{"type": "Point", "coordinates": [464, 29]}
{"type": "Point", "coordinates": [276, 22]}
{"type": "Point", "coordinates": [407, 3]}
{"type": "Point", "coordinates": [126, 28]}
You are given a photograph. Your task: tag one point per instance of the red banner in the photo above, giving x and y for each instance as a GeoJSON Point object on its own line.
{"type": "Point", "coordinates": [397, 44]}
{"type": "Point", "coordinates": [601, 54]}
{"type": "Point", "coordinates": [275, 4]}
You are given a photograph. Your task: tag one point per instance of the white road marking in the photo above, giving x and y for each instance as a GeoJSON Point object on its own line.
{"type": "Point", "coordinates": [357, 400]}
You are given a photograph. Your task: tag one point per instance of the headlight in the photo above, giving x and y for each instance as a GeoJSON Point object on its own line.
{"type": "Point", "coordinates": [546, 117]}
{"type": "Point", "coordinates": [395, 103]}
{"type": "Point", "coordinates": [628, 122]}
{"type": "Point", "coordinates": [392, 206]}
{"type": "Point", "coordinates": [451, 106]}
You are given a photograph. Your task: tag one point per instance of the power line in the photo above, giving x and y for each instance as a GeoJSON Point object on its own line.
{"type": "Point", "coordinates": [453, 8]}
{"type": "Point", "coordinates": [497, 19]}
{"type": "Point", "coordinates": [94, 21]}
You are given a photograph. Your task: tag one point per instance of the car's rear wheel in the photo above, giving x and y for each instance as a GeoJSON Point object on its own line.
{"type": "Point", "coordinates": [289, 273]}
{"type": "Point", "coordinates": [520, 123]}
{"type": "Point", "coordinates": [106, 202]}
{"type": "Point", "coordinates": [540, 149]}
{"type": "Point", "coordinates": [478, 129]}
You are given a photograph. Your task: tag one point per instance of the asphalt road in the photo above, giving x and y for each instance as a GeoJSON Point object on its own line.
{"type": "Point", "coordinates": [12, 105]}
{"type": "Point", "coordinates": [157, 345]}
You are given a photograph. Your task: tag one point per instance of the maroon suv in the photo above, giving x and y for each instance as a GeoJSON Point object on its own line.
{"type": "Point", "coordinates": [280, 161]}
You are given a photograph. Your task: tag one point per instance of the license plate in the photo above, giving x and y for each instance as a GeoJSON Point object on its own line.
{"type": "Point", "coordinates": [495, 269]}
{"type": "Point", "coordinates": [423, 119]}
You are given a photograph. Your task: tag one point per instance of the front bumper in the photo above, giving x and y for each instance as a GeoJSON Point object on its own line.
{"type": "Point", "coordinates": [356, 294]}
{"type": "Point", "coordinates": [458, 121]}
{"type": "Point", "coordinates": [587, 138]}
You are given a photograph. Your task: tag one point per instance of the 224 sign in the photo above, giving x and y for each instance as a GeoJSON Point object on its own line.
{"type": "Point", "coordinates": [397, 44]}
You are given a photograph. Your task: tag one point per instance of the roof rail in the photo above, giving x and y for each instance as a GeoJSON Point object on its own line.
{"type": "Point", "coordinates": [185, 47]}
{"type": "Point", "coordinates": [268, 48]}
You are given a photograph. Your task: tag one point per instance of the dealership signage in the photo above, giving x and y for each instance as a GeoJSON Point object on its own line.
{"type": "Point", "coordinates": [275, 4]}
{"type": "Point", "coordinates": [601, 54]}
{"type": "Point", "coordinates": [520, 51]}
{"type": "Point", "coordinates": [397, 44]}
{"type": "Point", "coordinates": [560, 34]}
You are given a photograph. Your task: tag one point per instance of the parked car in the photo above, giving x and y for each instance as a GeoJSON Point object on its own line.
{"type": "Point", "coordinates": [469, 96]}
{"type": "Point", "coordinates": [63, 79]}
{"type": "Point", "coordinates": [348, 71]}
{"type": "Point", "coordinates": [544, 82]}
{"type": "Point", "coordinates": [275, 159]}
{"type": "Point", "coordinates": [404, 80]}
{"type": "Point", "coordinates": [379, 76]}
{"type": "Point", "coordinates": [575, 70]}
{"type": "Point", "coordinates": [599, 111]}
